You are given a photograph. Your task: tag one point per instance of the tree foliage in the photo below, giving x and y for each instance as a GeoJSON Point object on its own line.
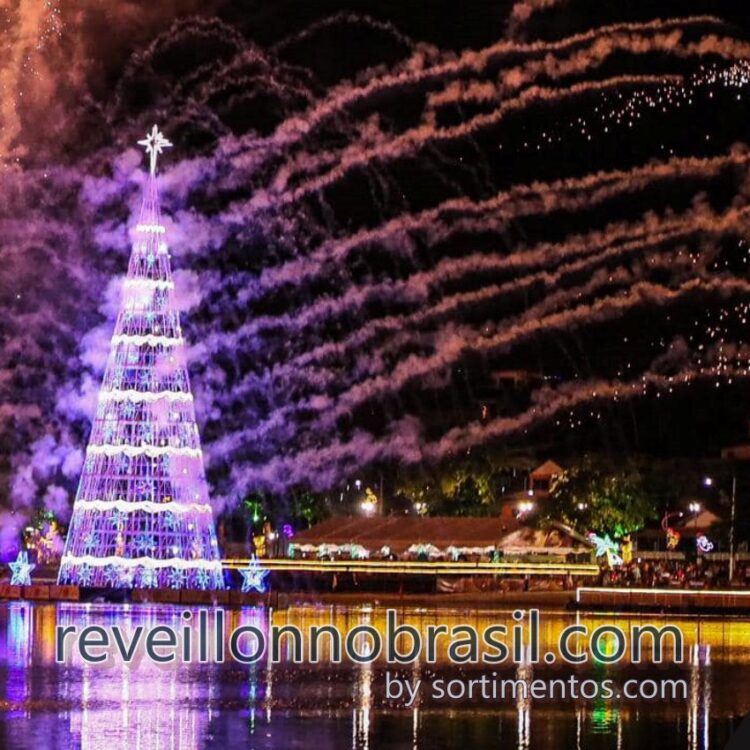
{"type": "Point", "coordinates": [594, 495]}
{"type": "Point", "coordinates": [470, 486]}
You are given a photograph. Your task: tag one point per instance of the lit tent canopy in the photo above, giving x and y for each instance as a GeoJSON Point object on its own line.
{"type": "Point", "coordinates": [435, 536]}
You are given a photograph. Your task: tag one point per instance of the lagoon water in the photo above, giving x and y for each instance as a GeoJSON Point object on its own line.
{"type": "Point", "coordinates": [282, 706]}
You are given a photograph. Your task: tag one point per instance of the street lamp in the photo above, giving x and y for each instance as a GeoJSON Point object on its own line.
{"type": "Point", "coordinates": [695, 509]}
{"type": "Point", "coordinates": [708, 482]}
{"type": "Point", "coordinates": [525, 508]}
{"type": "Point", "coordinates": [271, 537]}
{"type": "Point", "coordinates": [370, 504]}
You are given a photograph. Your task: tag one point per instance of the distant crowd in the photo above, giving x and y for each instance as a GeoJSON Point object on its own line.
{"type": "Point", "coordinates": [674, 574]}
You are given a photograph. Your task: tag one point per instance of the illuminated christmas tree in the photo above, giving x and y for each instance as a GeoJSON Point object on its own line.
{"type": "Point", "coordinates": [141, 517]}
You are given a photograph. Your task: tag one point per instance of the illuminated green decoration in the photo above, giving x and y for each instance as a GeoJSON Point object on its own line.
{"type": "Point", "coordinates": [605, 546]}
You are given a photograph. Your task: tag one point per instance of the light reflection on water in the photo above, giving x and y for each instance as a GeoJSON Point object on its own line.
{"type": "Point", "coordinates": [285, 706]}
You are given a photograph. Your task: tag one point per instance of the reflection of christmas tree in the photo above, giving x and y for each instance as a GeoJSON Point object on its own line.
{"type": "Point", "coordinates": [141, 517]}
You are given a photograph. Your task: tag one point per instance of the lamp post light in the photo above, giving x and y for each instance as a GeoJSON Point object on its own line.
{"type": "Point", "coordinates": [524, 508]}
{"type": "Point", "coordinates": [271, 545]}
{"type": "Point", "coordinates": [695, 509]}
{"type": "Point", "coordinates": [708, 482]}
{"type": "Point", "coordinates": [731, 528]}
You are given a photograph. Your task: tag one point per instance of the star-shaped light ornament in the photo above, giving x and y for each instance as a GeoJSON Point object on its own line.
{"type": "Point", "coordinates": [21, 570]}
{"type": "Point", "coordinates": [254, 577]}
{"type": "Point", "coordinates": [606, 547]}
{"type": "Point", "coordinates": [154, 143]}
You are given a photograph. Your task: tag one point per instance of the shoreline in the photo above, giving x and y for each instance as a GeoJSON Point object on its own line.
{"type": "Point", "coordinates": [617, 602]}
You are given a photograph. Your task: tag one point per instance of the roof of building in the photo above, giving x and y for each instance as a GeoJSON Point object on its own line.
{"type": "Point", "coordinates": [399, 533]}
{"type": "Point", "coordinates": [546, 470]}
{"type": "Point", "coordinates": [704, 520]}
{"type": "Point", "coordinates": [736, 452]}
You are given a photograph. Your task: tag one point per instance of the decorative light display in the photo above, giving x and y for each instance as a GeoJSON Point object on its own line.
{"type": "Point", "coordinates": [359, 552]}
{"type": "Point", "coordinates": [424, 550]}
{"type": "Point", "coordinates": [325, 551]}
{"type": "Point", "coordinates": [703, 543]}
{"type": "Point", "coordinates": [673, 538]}
{"type": "Point", "coordinates": [259, 545]}
{"type": "Point", "coordinates": [456, 552]}
{"type": "Point", "coordinates": [253, 577]}
{"type": "Point", "coordinates": [21, 570]}
{"type": "Point", "coordinates": [141, 518]}
{"type": "Point", "coordinates": [606, 547]}
{"type": "Point", "coordinates": [43, 538]}
{"type": "Point", "coordinates": [626, 550]}
{"type": "Point", "coordinates": [370, 504]}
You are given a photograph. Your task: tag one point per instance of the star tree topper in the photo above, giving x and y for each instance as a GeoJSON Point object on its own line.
{"type": "Point", "coordinates": [154, 143]}
{"type": "Point", "coordinates": [21, 570]}
{"type": "Point", "coordinates": [253, 577]}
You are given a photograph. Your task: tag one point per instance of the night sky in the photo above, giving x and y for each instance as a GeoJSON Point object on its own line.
{"type": "Point", "coordinates": [403, 232]}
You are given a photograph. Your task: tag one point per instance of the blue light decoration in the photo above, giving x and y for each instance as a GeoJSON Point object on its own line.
{"type": "Point", "coordinates": [149, 578]}
{"type": "Point", "coordinates": [254, 577]}
{"type": "Point", "coordinates": [202, 579]}
{"type": "Point", "coordinates": [85, 575]}
{"type": "Point", "coordinates": [142, 516]}
{"type": "Point", "coordinates": [703, 543]}
{"type": "Point", "coordinates": [177, 578]}
{"type": "Point", "coordinates": [605, 546]}
{"type": "Point", "coordinates": [21, 570]}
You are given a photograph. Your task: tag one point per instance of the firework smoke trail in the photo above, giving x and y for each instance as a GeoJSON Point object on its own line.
{"type": "Point", "coordinates": [617, 243]}
{"type": "Point", "coordinates": [427, 68]}
{"type": "Point", "coordinates": [452, 216]}
{"type": "Point", "coordinates": [405, 442]}
{"type": "Point", "coordinates": [362, 261]}
{"type": "Point", "coordinates": [417, 289]}
{"type": "Point", "coordinates": [29, 27]}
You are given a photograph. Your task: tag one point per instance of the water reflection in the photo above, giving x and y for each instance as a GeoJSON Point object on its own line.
{"type": "Point", "coordinates": [699, 702]}
{"type": "Point", "coordinates": [288, 705]}
{"type": "Point", "coordinates": [523, 705]}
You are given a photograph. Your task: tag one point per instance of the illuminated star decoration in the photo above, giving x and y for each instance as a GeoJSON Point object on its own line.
{"type": "Point", "coordinates": [21, 570]}
{"type": "Point", "coordinates": [154, 143]}
{"type": "Point", "coordinates": [253, 578]}
{"type": "Point", "coordinates": [703, 543]}
{"type": "Point", "coordinates": [605, 546]}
